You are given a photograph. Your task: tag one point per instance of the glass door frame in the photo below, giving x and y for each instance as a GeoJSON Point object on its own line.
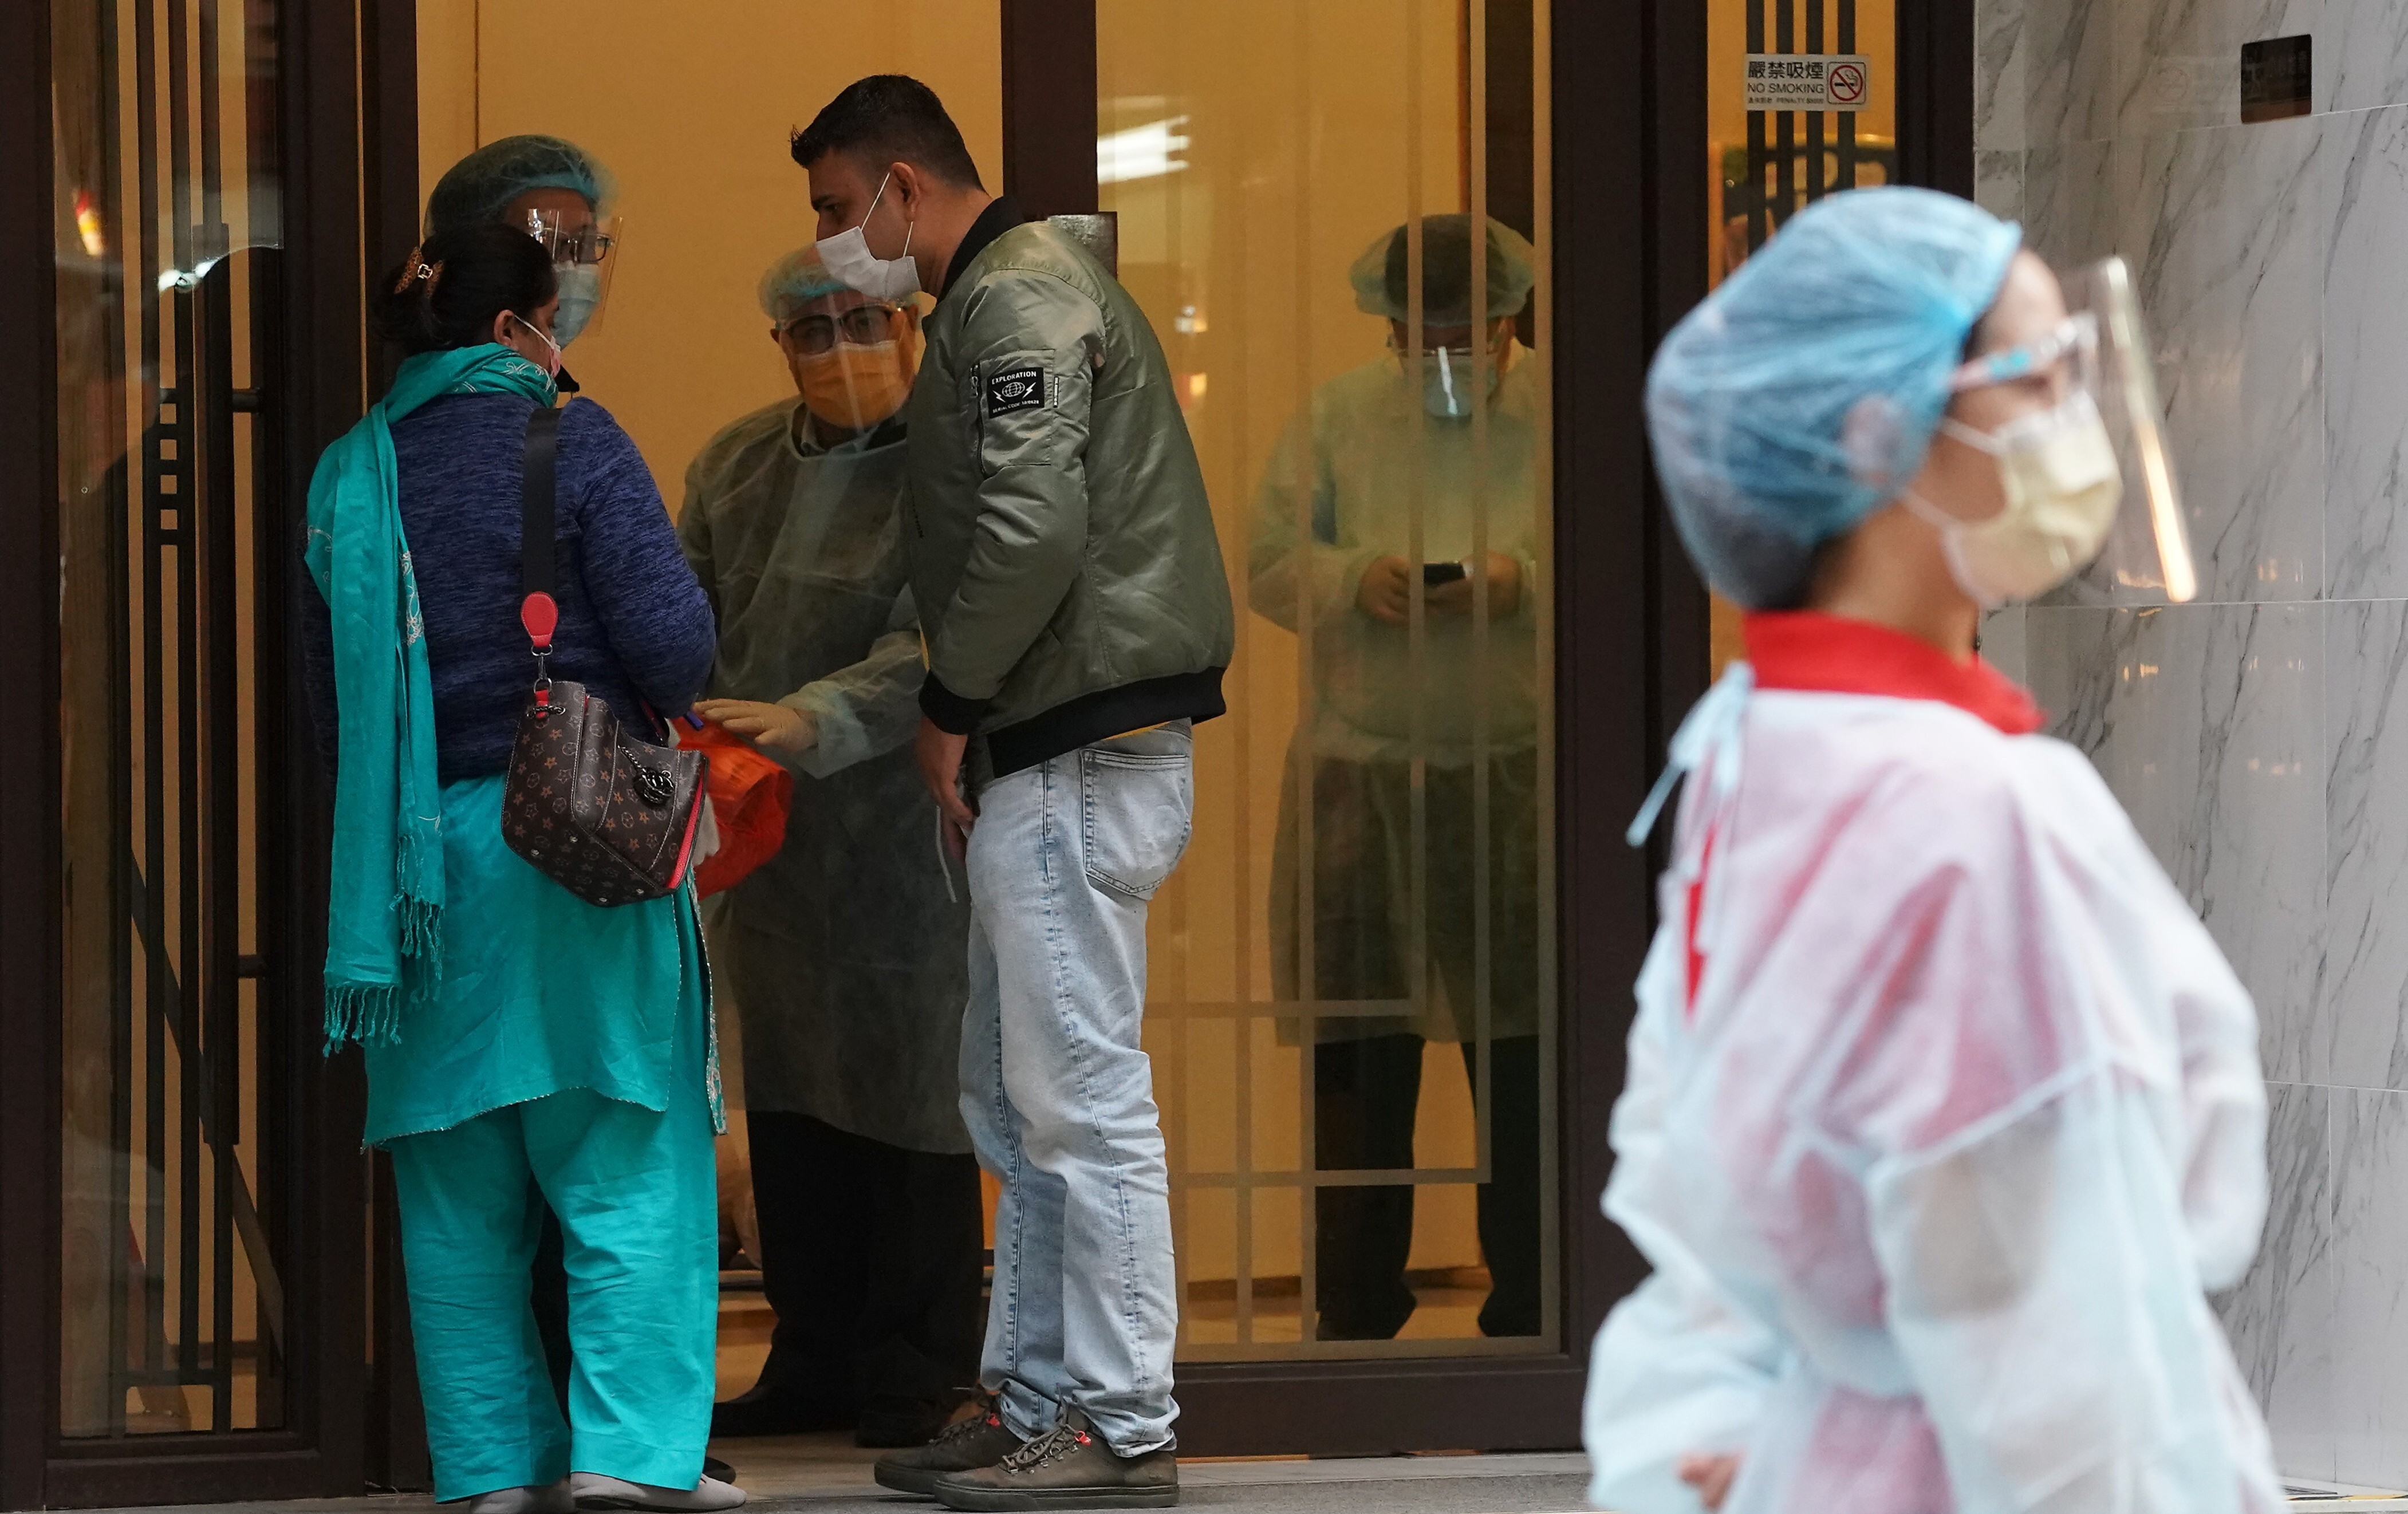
{"type": "Point", "coordinates": [1632, 647]}
{"type": "Point", "coordinates": [317, 347]}
{"type": "Point", "coordinates": [1624, 589]}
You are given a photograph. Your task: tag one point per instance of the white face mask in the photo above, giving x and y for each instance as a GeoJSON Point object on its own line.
{"type": "Point", "coordinates": [2063, 486]}
{"type": "Point", "coordinates": [847, 255]}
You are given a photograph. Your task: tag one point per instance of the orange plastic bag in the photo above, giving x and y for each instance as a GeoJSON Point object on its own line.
{"type": "Point", "coordinates": [749, 795]}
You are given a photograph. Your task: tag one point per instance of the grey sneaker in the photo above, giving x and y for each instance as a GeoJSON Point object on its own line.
{"type": "Point", "coordinates": [977, 1439]}
{"type": "Point", "coordinates": [1066, 1467]}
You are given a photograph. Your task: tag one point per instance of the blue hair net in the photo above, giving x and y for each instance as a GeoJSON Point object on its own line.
{"type": "Point", "coordinates": [1803, 392]}
{"type": "Point", "coordinates": [477, 190]}
{"type": "Point", "coordinates": [793, 281]}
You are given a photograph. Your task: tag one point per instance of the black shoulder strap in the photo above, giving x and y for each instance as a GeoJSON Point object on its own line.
{"type": "Point", "coordinates": [537, 532]}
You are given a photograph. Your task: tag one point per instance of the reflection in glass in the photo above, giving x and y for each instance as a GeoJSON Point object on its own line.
{"type": "Point", "coordinates": [1351, 1010]}
{"type": "Point", "coordinates": [1405, 534]}
{"type": "Point", "coordinates": [171, 1311]}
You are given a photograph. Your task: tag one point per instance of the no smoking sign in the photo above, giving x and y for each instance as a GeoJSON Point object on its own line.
{"type": "Point", "coordinates": [1808, 81]}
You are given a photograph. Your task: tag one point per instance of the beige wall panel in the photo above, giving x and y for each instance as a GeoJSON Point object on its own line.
{"type": "Point", "coordinates": [447, 87]}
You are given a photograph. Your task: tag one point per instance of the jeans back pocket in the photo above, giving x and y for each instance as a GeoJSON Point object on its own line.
{"type": "Point", "coordinates": [1135, 814]}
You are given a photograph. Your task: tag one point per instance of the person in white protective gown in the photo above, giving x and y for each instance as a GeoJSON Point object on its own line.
{"type": "Point", "coordinates": [1943, 1111]}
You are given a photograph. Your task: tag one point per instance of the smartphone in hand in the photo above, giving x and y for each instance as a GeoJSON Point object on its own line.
{"type": "Point", "coordinates": [1436, 574]}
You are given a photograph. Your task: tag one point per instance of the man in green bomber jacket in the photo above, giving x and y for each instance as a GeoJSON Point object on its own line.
{"type": "Point", "coordinates": [1077, 619]}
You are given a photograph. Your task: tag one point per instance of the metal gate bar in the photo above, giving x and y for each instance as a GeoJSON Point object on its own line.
{"type": "Point", "coordinates": [1814, 160]}
{"type": "Point", "coordinates": [1827, 159]}
{"type": "Point", "coordinates": [1758, 230]}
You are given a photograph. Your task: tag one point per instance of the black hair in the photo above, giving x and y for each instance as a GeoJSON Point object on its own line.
{"type": "Point", "coordinates": [447, 292]}
{"type": "Point", "coordinates": [889, 117]}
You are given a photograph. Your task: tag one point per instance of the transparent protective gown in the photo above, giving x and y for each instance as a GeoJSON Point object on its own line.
{"type": "Point", "coordinates": [1943, 1114]}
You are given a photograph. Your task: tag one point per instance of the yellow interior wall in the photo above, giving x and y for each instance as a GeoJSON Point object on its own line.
{"type": "Point", "coordinates": [690, 107]}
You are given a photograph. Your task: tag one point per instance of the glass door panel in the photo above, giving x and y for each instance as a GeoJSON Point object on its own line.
{"type": "Point", "coordinates": [1351, 1013]}
{"type": "Point", "coordinates": [172, 549]}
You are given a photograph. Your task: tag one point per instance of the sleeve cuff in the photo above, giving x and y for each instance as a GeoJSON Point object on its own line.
{"type": "Point", "coordinates": [948, 711]}
{"type": "Point", "coordinates": [841, 742]}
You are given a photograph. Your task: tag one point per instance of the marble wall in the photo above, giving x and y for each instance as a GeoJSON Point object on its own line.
{"type": "Point", "coordinates": [2260, 734]}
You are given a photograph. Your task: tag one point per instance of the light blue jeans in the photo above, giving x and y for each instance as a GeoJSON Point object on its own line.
{"type": "Point", "coordinates": [1057, 1092]}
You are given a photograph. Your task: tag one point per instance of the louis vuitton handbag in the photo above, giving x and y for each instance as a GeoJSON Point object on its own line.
{"type": "Point", "coordinates": [611, 818]}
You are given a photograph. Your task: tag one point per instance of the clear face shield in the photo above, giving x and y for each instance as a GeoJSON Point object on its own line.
{"type": "Point", "coordinates": [583, 248]}
{"type": "Point", "coordinates": [2099, 358]}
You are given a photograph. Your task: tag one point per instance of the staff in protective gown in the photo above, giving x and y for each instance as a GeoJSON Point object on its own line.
{"type": "Point", "coordinates": [1398, 719]}
{"type": "Point", "coordinates": [1943, 1111]}
{"type": "Point", "coordinates": [847, 953]}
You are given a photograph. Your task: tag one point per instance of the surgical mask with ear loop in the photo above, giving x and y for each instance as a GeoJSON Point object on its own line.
{"type": "Point", "coordinates": [551, 369]}
{"type": "Point", "coordinates": [847, 256]}
{"type": "Point", "coordinates": [2057, 469]}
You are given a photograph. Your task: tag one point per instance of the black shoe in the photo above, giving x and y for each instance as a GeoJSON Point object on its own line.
{"type": "Point", "coordinates": [975, 1440]}
{"type": "Point", "coordinates": [779, 1410]}
{"type": "Point", "coordinates": [891, 1423]}
{"type": "Point", "coordinates": [713, 1467]}
{"type": "Point", "coordinates": [1066, 1467]}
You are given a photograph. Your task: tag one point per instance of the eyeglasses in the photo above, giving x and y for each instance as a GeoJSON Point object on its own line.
{"type": "Point", "coordinates": [1437, 339]}
{"type": "Point", "coordinates": [2075, 338]}
{"type": "Point", "coordinates": [588, 246]}
{"type": "Point", "coordinates": [864, 325]}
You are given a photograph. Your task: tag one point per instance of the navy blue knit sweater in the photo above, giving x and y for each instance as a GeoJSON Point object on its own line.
{"type": "Point", "coordinates": [634, 624]}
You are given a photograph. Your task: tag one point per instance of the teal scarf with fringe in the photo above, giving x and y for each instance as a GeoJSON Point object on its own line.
{"type": "Point", "coordinates": [384, 919]}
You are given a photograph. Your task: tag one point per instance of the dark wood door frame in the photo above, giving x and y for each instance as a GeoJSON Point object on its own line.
{"type": "Point", "coordinates": [1935, 95]}
{"type": "Point", "coordinates": [1049, 106]}
{"type": "Point", "coordinates": [29, 849]}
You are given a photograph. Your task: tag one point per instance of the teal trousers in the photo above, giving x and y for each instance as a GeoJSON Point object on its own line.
{"type": "Point", "coordinates": [635, 1193]}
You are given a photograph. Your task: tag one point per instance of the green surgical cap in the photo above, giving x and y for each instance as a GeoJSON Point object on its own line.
{"type": "Point", "coordinates": [1380, 283]}
{"type": "Point", "coordinates": [479, 189]}
{"type": "Point", "coordinates": [793, 281]}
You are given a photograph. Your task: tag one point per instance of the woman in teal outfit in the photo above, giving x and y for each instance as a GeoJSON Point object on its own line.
{"type": "Point", "coordinates": [523, 1048]}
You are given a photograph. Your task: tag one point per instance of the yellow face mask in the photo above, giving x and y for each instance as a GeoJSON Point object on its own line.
{"type": "Point", "coordinates": [856, 387]}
